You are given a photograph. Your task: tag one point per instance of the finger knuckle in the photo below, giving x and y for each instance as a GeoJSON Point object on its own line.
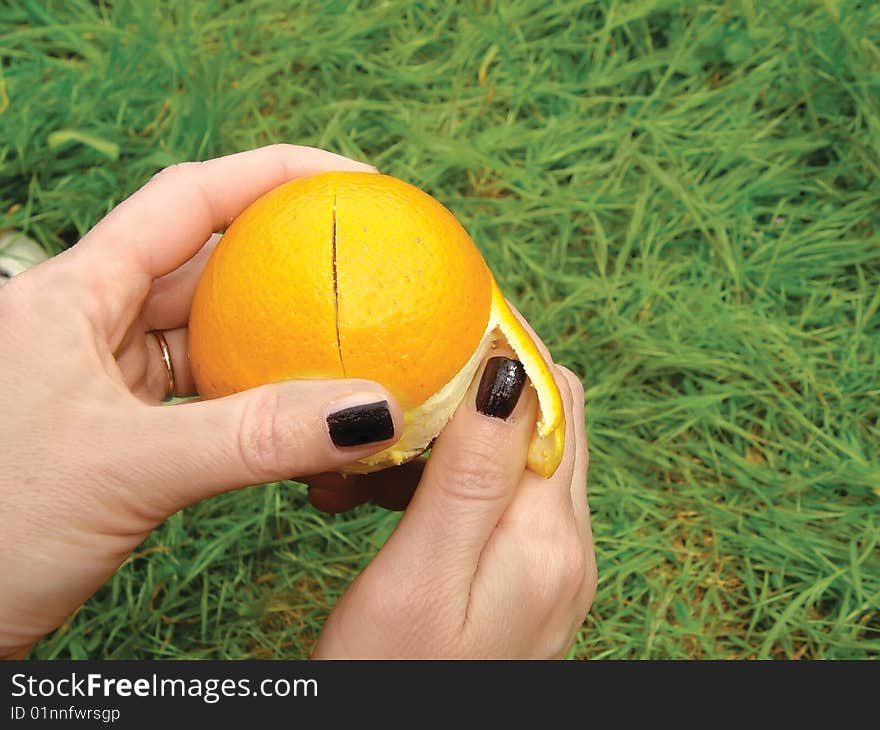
{"type": "Point", "coordinates": [562, 571]}
{"type": "Point", "coordinates": [563, 585]}
{"type": "Point", "coordinates": [573, 615]}
{"type": "Point", "coordinates": [285, 148]}
{"type": "Point", "coordinates": [266, 440]}
{"type": "Point", "coordinates": [572, 568]}
{"type": "Point", "coordinates": [477, 469]}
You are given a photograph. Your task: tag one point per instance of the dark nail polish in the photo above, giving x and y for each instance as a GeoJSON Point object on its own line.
{"type": "Point", "coordinates": [361, 425]}
{"type": "Point", "coordinates": [500, 387]}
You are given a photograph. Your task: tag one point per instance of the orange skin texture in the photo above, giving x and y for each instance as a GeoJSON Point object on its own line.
{"type": "Point", "coordinates": [411, 300]}
{"type": "Point", "coordinates": [414, 290]}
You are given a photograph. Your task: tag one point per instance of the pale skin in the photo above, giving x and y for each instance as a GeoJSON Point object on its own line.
{"type": "Point", "coordinates": [489, 559]}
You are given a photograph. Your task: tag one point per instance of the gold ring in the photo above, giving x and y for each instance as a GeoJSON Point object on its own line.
{"type": "Point", "coordinates": [166, 358]}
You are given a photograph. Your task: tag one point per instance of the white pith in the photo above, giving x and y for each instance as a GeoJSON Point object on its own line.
{"type": "Point", "coordinates": [423, 422]}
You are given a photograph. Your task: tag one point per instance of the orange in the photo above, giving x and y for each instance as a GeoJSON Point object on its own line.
{"type": "Point", "coordinates": [358, 275]}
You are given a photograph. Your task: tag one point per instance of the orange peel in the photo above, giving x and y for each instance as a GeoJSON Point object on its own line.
{"type": "Point", "coordinates": [358, 275]}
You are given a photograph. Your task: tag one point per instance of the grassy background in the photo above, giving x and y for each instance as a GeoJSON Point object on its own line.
{"type": "Point", "coordinates": [683, 198]}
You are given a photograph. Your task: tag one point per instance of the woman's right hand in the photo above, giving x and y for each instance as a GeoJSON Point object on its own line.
{"type": "Point", "coordinates": [489, 559]}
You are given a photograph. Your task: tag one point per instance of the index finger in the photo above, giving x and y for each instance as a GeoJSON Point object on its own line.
{"type": "Point", "coordinates": [166, 222]}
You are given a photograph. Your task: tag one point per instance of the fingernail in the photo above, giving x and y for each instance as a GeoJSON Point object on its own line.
{"type": "Point", "coordinates": [500, 387]}
{"type": "Point", "coordinates": [361, 424]}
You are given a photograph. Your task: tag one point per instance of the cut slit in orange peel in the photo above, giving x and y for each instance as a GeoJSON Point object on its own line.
{"type": "Point", "coordinates": [377, 280]}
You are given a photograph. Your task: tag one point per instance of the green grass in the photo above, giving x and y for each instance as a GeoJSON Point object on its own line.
{"type": "Point", "coordinates": [683, 198]}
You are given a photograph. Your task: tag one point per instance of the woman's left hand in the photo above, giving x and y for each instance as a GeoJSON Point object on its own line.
{"type": "Point", "coordinates": [90, 463]}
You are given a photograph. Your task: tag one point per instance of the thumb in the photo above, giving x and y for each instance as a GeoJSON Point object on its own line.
{"type": "Point", "coordinates": [273, 432]}
{"type": "Point", "coordinates": [472, 474]}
